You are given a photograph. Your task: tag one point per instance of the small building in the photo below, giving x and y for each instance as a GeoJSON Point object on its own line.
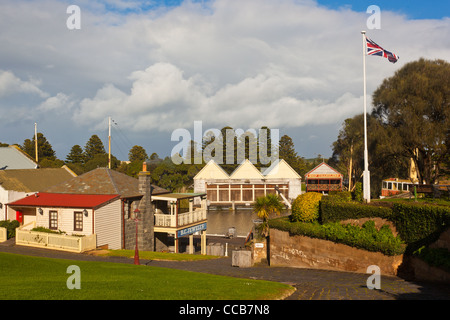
{"type": "Point", "coordinates": [246, 183]}
{"type": "Point", "coordinates": [12, 157]}
{"type": "Point", "coordinates": [81, 214]}
{"type": "Point", "coordinates": [116, 208]}
{"type": "Point", "coordinates": [323, 178]}
{"type": "Point", "coordinates": [19, 183]}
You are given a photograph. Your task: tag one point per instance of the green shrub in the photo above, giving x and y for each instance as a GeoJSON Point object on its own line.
{"type": "Point", "coordinates": [306, 207]}
{"type": "Point", "coordinates": [420, 224]}
{"type": "Point", "coordinates": [358, 192]}
{"type": "Point", "coordinates": [331, 211]}
{"type": "Point", "coordinates": [437, 257]}
{"type": "Point", "coordinates": [46, 230]}
{"type": "Point", "coordinates": [366, 237]}
{"type": "Point", "coordinates": [10, 227]}
{"type": "Point", "coordinates": [339, 196]}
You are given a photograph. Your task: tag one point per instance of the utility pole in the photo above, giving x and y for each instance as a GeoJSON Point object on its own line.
{"type": "Point", "coordinates": [36, 141]}
{"type": "Point", "coordinates": [109, 143]}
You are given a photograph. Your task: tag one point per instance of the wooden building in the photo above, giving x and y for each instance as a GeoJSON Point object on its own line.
{"type": "Point", "coordinates": [323, 178]}
{"type": "Point", "coordinates": [246, 183]}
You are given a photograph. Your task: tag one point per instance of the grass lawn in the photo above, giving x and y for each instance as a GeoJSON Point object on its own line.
{"type": "Point", "coordinates": [30, 278]}
{"type": "Point", "coordinates": [150, 255]}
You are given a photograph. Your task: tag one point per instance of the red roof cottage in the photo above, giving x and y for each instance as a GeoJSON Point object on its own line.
{"type": "Point", "coordinates": [80, 214]}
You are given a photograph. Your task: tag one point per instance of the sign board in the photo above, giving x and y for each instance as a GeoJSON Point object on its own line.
{"type": "Point", "coordinates": [259, 245]}
{"type": "Point", "coordinates": [191, 230]}
{"type": "Point", "coordinates": [328, 175]}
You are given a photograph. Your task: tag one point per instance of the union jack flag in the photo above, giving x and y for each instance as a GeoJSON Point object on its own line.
{"type": "Point", "coordinates": [375, 50]}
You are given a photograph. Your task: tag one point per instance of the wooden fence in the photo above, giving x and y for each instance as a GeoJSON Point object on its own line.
{"type": "Point", "coordinates": [3, 234]}
{"type": "Point", "coordinates": [55, 241]}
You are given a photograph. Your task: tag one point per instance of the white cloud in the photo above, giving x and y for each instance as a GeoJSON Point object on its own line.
{"type": "Point", "coordinates": [59, 103]}
{"type": "Point", "coordinates": [252, 63]}
{"type": "Point", "coordinates": [11, 85]}
{"type": "Point", "coordinates": [284, 63]}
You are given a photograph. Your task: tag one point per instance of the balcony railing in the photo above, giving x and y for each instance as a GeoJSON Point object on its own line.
{"type": "Point", "coordinates": [170, 221]}
{"type": "Point", "coordinates": [324, 187]}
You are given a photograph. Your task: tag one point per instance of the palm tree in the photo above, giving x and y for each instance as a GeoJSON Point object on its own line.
{"type": "Point", "coordinates": [264, 206]}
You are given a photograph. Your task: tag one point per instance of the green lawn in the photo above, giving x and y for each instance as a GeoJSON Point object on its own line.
{"type": "Point", "coordinates": [150, 255]}
{"type": "Point", "coordinates": [29, 278]}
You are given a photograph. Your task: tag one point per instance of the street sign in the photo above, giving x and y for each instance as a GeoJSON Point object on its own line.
{"type": "Point", "coordinates": [191, 230]}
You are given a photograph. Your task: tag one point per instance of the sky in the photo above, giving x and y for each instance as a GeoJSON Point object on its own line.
{"type": "Point", "coordinates": [158, 66]}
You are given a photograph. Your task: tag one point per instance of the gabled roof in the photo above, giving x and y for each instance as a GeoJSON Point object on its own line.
{"type": "Point", "coordinates": [280, 169]}
{"type": "Point", "coordinates": [246, 170]}
{"type": "Point", "coordinates": [58, 200]}
{"type": "Point", "coordinates": [103, 181]}
{"type": "Point", "coordinates": [212, 171]}
{"type": "Point", "coordinates": [32, 180]}
{"type": "Point", "coordinates": [13, 158]}
{"type": "Point", "coordinates": [323, 170]}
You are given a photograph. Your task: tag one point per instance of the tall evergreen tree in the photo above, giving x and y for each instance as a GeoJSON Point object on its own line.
{"type": "Point", "coordinates": [137, 153]}
{"type": "Point", "coordinates": [75, 155]}
{"type": "Point", "coordinates": [93, 147]}
{"type": "Point", "coordinates": [288, 153]}
{"type": "Point", "coordinates": [45, 150]}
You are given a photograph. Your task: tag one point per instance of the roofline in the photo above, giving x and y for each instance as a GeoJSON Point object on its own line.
{"type": "Point", "coordinates": [17, 148]}
{"type": "Point", "coordinates": [306, 174]}
{"type": "Point", "coordinates": [217, 165]}
{"type": "Point", "coordinates": [10, 204]}
{"type": "Point", "coordinates": [277, 163]}
{"type": "Point", "coordinates": [241, 164]}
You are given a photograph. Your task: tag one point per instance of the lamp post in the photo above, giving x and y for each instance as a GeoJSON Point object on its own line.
{"type": "Point", "coordinates": [136, 250]}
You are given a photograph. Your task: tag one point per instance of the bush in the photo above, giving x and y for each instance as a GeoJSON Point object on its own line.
{"type": "Point", "coordinates": [366, 237]}
{"type": "Point", "coordinates": [437, 257]}
{"type": "Point", "coordinates": [331, 211]}
{"type": "Point", "coordinates": [46, 230]}
{"type": "Point", "coordinates": [10, 227]}
{"type": "Point", "coordinates": [358, 192]}
{"type": "Point", "coordinates": [306, 207]}
{"type": "Point", "coordinates": [420, 224]}
{"type": "Point", "coordinates": [339, 196]}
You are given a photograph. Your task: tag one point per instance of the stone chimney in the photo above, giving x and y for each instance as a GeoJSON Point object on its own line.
{"type": "Point", "coordinates": [147, 215]}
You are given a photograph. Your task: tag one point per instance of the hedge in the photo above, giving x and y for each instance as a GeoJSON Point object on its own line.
{"type": "Point", "coordinates": [417, 224]}
{"type": "Point", "coordinates": [366, 237]}
{"type": "Point", "coordinates": [420, 224]}
{"type": "Point", "coordinates": [332, 211]}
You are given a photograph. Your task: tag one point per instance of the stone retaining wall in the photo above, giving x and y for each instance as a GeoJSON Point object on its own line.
{"type": "Point", "coordinates": [303, 252]}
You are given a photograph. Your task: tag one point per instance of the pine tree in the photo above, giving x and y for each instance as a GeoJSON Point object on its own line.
{"type": "Point", "coordinates": [93, 147]}
{"type": "Point", "coordinates": [137, 153]}
{"type": "Point", "coordinates": [75, 155]}
{"type": "Point", "coordinates": [45, 150]}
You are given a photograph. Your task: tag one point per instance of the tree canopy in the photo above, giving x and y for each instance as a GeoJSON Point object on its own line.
{"type": "Point", "coordinates": [409, 124]}
{"type": "Point", "coordinates": [45, 149]}
{"type": "Point", "coordinates": [416, 103]}
{"type": "Point", "coordinates": [94, 146]}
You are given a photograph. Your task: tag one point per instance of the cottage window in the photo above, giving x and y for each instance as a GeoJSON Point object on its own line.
{"type": "Point", "coordinates": [53, 220]}
{"type": "Point", "coordinates": [78, 221]}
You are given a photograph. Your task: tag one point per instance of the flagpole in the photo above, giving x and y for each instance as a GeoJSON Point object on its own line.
{"type": "Point", "coordinates": [366, 175]}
